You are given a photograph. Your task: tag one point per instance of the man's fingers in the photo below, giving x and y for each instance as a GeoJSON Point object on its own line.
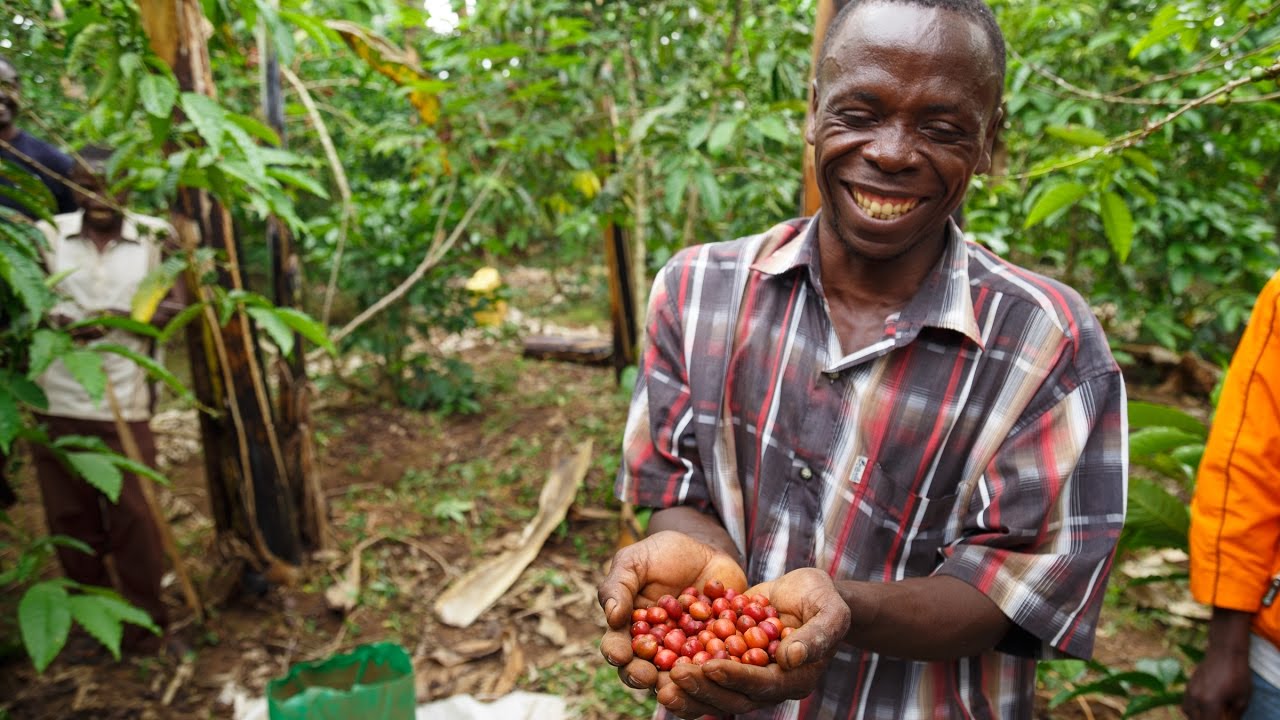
{"type": "Point", "coordinates": [639, 674]}
{"type": "Point", "coordinates": [817, 638]}
{"type": "Point", "coordinates": [675, 698]}
{"type": "Point", "coordinates": [729, 696]}
{"type": "Point", "coordinates": [616, 648]}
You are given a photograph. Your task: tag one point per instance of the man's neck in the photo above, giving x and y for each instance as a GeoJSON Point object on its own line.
{"type": "Point", "coordinates": [102, 236]}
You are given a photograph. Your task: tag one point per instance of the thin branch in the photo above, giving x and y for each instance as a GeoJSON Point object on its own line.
{"type": "Point", "coordinates": [1135, 137]}
{"type": "Point", "coordinates": [1206, 62]}
{"type": "Point", "coordinates": [439, 246]}
{"type": "Point", "coordinates": [339, 179]}
{"type": "Point", "coordinates": [1114, 98]}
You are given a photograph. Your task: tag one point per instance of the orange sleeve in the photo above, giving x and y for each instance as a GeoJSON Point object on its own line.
{"type": "Point", "coordinates": [1235, 513]}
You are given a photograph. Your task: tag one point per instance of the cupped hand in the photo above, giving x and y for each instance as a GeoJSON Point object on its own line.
{"type": "Point", "coordinates": [664, 563]}
{"type": "Point", "coordinates": [806, 600]}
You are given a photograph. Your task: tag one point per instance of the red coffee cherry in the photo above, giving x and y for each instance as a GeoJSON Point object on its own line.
{"type": "Point", "coordinates": [640, 627]}
{"type": "Point", "coordinates": [718, 606]}
{"type": "Point", "coordinates": [755, 611]}
{"type": "Point", "coordinates": [736, 645]}
{"type": "Point", "coordinates": [657, 615]}
{"type": "Point", "coordinates": [756, 656]}
{"type": "Point", "coordinates": [701, 658]}
{"type": "Point", "coordinates": [723, 628]}
{"type": "Point", "coordinates": [755, 638]}
{"type": "Point", "coordinates": [700, 610]}
{"type": "Point", "coordinates": [785, 632]}
{"type": "Point", "coordinates": [639, 614]}
{"type": "Point", "coordinates": [691, 590]}
{"type": "Point", "coordinates": [691, 647]}
{"type": "Point", "coordinates": [714, 645]}
{"type": "Point", "coordinates": [713, 589]}
{"type": "Point", "coordinates": [671, 605]}
{"type": "Point", "coordinates": [686, 600]}
{"type": "Point", "coordinates": [644, 646]}
{"type": "Point", "coordinates": [730, 593]}
{"type": "Point", "coordinates": [773, 648]}
{"type": "Point", "coordinates": [674, 640]}
{"type": "Point", "coordinates": [771, 627]}
{"type": "Point", "coordinates": [745, 622]}
{"type": "Point", "coordinates": [665, 659]}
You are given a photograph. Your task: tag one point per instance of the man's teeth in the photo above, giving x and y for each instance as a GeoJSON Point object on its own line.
{"type": "Point", "coordinates": [885, 208]}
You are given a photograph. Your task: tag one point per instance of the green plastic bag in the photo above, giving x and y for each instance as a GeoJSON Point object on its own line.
{"type": "Point", "coordinates": [372, 682]}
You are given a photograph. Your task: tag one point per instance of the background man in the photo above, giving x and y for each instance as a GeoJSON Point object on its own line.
{"type": "Point", "coordinates": [911, 446]}
{"type": "Point", "coordinates": [32, 154]}
{"type": "Point", "coordinates": [108, 252]}
{"type": "Point", "coordinates": [1235, 531]}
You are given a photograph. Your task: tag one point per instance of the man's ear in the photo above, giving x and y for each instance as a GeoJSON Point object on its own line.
{"type": "Point", "coordinates": [810, 128]}
{"type": "Point", "coordinates": [989, 142]}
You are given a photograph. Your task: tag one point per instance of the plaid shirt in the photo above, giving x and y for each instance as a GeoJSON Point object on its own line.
{"type": "Point", "coordinates": [982, 437]}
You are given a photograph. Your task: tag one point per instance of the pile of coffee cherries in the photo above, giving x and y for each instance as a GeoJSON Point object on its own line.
{"type": "Point", "coordinates": [717, 624]}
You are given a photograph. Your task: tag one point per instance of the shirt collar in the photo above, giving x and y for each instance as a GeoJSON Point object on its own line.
{"type": "Point", "coordinates": [943, 301]}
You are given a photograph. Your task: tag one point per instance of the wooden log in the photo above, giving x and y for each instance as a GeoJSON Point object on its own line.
{"type": "Point", "coordinates": [584, 351]}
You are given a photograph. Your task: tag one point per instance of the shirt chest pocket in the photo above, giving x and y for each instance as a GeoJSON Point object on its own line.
{"type": "Point", "coordinates": [904, 530]}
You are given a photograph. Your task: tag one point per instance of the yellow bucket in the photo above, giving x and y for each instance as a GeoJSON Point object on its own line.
{"type": "Point", "coordinates": [483, 286]}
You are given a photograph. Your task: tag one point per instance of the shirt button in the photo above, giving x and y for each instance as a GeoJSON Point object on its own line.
{"type": "Point", "coordinates": [806, 473]}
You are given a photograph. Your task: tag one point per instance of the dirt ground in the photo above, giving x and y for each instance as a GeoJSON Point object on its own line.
{"type": "Point", "coordinates": [428, 497]}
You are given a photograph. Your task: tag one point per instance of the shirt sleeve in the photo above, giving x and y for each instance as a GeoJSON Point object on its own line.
{"type": "Point", "coordinates": [1041, 528]}
{"type": "Point", "coordinates": [661, 466]}
{"type": "Point", "coordinates": [1235, 512]}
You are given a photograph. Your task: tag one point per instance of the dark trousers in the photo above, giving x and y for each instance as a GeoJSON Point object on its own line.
{"type": "Point", "coordinates": [125, 530]}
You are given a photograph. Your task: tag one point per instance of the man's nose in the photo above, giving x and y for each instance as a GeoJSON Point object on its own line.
{"type": "Point", "coordinates": [892, 150]}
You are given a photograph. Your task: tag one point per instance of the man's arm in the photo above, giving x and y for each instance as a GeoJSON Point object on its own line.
{"type": "Point", "coordinates": [933, 618]}
{"type": "Point", "coordinates": [1235, 518]}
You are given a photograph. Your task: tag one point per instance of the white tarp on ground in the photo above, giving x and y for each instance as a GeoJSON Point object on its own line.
{"type": "Point", "coordinates": [514, 706]}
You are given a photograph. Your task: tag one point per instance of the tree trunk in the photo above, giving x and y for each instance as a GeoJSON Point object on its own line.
{"type": "Point", "coordinates": [293, 407]}
{"type": "Point", "coordinates": [244, 465]}
{"type": "Point", "coordinates": [810, 200]}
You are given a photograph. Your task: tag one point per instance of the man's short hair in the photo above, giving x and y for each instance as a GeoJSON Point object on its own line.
{"type": "Point", "coordinates": [976, 10]}
{"type": "Point", "coordinates": [95, 159]}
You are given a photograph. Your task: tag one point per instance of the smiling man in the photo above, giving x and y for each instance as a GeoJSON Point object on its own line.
{"type": "Point", "coordinates": [914, 448]}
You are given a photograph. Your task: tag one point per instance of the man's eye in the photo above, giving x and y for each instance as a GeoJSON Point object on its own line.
{"type": "Point", "coordinates": [860, 119]}
{"type": "Point", "coordinates": [943, 130]}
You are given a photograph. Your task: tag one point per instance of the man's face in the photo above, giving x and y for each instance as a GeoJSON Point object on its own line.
{"type": "Point", "coordinates": [10, 97]}
{"type": "Point", "coordinates": [905, 111]}
{"type": "Point", "coordinates": [98, 213]}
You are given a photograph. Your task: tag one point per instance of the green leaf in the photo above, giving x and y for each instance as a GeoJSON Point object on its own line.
{"type": "Point", "coordinates": [153, 369]}
{"type": "Point", "coordinates": [1077, 135]}
{"type": "Point", "coordinates": [10, 420]}
{"type": "Point", "coordinates": [26, 278]}
{"type": "Point", "coordinates": [1141, 160]}
{"type": "Point", "coordinates": [92, 614]}
{"type": "Point", "coordinates": [721, 136]}
{"type": "Point", "coordinates": [45, 620]}
{"type": "Point", "coordinates": [46, 346]}
{"type": "Point", "coordinates": [698, 134]}
{"type": "Point", "coordinates": [1117, 223]}
{"type": "Point", "coordinates": [24, 390]}
{"type": "Point", "coordinates": [158, 93]}
{"type": "Point", "coordinates": [307, 327]}
{"type": "Point", "coordinates": [207, 115]}
{"type": "Point", "coordinates": [1152, 441]}
{"type": "Point", "coordinates": [1156, 518]}
{"type": "Point", "coordinates": [139, 469]}
{"type": "Point", "coordinates": [673, 190]}
{"type": "Point", "coordinates": [117, 322]}
{"type": "Point", "coordinates": [772, 127]}
{"type": "Point", "coordinates": [1054, 199]}
{"type": "Point", "coordinates": [298, 180]}
{"type": "Point", "coordinates": [181, 320]}
{"type": "Point", "coordinates": [710, 191]}
{"type": "Point", "coordinates": [1146, 703]}
{"type": "Point", "coordinates": [1145, 414]}
{"type": "Point", "coordinates": [98, 470]}
{"type": "Point", "coordinates": [1164, 25]}
{"type": "Point", "coordinates": [276, 327]}
{"type": "Point", "coordinates": [255, 127]}
{"type": "Point", "coordinates": [86, 367]}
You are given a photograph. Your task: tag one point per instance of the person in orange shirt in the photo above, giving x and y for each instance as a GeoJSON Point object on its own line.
{"type": "Point", "coordinates": [1235, 532]}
